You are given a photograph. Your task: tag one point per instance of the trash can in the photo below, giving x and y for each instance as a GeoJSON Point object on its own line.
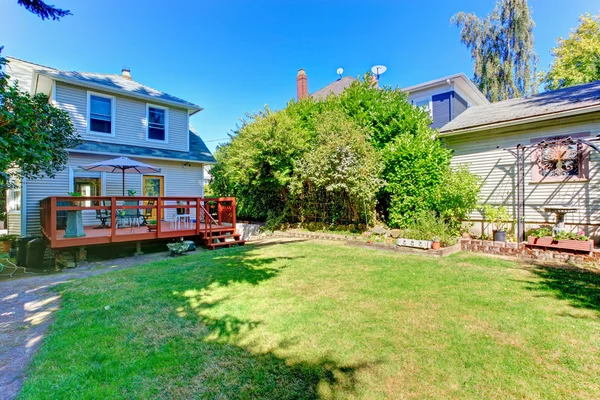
{"type": "Point", "coordinates": [22, 249]}
{"type": "Point", "coordinates": [35, 253]}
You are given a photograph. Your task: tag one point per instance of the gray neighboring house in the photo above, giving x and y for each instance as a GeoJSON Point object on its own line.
{"type": "Point", "coordinates": [115, 116]}
{"type": "Point", "coordinates": [555, 175]}
{"type": "Point", "coordinates": [445, 98]}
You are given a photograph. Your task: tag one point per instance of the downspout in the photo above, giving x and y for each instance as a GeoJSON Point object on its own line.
{"type": "Point", "coordinates": [451, 84]}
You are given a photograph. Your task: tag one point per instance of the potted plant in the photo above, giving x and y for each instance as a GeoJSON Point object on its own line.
{"type": "Point", "coordinates": [131, 193]}
{"type": "Point", "coordinates": [498, 217]}
{"type": "Point", "coordinates": [7, 242]}
{"type": "Point", "coordinates": [75, 194]}
{"type": "Point", "coordinates": [151, 225]}
{"type": "Point", "coordinates": [436, 243]}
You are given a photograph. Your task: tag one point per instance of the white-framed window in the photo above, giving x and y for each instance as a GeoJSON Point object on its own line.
{"type": "Point", "coordinates": [158, 123]}
{"type": "Point", "coordinates": [424, 103]}
{"type": "Point", "coordinates": [101, 114]}
{"type": "Point", "coordinates": [14, 196]}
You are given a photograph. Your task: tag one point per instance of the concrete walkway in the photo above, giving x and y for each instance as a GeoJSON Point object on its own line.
{"type": "Point", "coordinates": [27, 307]}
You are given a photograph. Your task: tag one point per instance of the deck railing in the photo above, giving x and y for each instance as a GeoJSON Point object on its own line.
{"type": "Point", "coordinates": [120, 218]}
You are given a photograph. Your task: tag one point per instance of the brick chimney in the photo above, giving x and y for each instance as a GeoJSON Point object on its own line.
{"type": "Point", "coordinates": [374, 81]}
{"type": "Point", "coordinates": [302, 84]}
{"type": "Point", "coordinates": [126, 73]}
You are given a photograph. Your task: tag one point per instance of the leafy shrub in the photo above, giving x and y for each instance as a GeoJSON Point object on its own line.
{"type": "Point", "coordinates": [497, 216]}
{"type": "Point", "coordinates": [567, 235]}
{"type": "Point", "coordinates": [540, 232]}
{"type": "Point", "coordinates": [428, 226]}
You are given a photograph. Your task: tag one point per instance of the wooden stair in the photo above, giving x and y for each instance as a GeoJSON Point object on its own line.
{"type": "Point", "coordinates": [223, 238]}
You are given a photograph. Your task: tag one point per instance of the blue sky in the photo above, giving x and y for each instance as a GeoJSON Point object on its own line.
{"type": "Point", "coordinates": [233, 57]}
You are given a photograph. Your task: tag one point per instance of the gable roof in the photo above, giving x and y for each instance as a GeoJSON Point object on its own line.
{"type": "Point", "coordinates": [108, 82]}
{"type": "Point", "coordinates": [575, 99]}
{"type": "Point", "coordinates": [198, 150]}
{"type": "Point", "coordinates": [335, 87]}
{"type": "Point", "coordinates": [465, 84]}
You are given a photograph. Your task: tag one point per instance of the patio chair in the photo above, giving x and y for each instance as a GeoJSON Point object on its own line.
{"type": "Point", "coordinates": [132, 216]}
{"type": "Point", "coordinates": [147, 214]}
{"type": "Point", "coordinates": [103, 216]}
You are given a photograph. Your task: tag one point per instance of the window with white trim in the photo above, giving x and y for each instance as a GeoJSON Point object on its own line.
{"type": "Point", "coordinates": [101, 114]}
{"type": "Point", "coordinates": [424, 103]}
{"type": "Point", "coordinates": [14, 196]}
{"type": "Point", "coordinates": [157, 123]}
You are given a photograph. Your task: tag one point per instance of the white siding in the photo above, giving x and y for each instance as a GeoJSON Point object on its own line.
{"type": "Point", "coordinates": [131, 121]}
{"type": "Point", "coordinates": [178, 182]}
{"type": "Point", "coordinates": [13, 223]}
{"type": "Point", "coordinates": [497, 168]}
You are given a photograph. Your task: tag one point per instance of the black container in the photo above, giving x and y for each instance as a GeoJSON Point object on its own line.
{"type": "Point", "coordinates": [35, 253]}
{"type": "Point", "coordinates": [500, 236]}
{"type": "Point", "coordinates": [22, 249]}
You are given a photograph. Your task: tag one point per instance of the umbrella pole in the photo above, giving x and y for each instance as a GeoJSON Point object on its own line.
{"type": "Point", "coordinates": [123, 181]}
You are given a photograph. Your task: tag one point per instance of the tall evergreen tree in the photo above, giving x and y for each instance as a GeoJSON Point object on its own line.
{"type": "Point", "coordinates": [502, 47]}
{"type": "Point", "coordinates": [577, 58]}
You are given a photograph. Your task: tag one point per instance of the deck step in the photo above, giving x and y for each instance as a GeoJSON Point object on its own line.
{"type": "Point", "coordinates": [213, 246]}
{"type": "Point", "coordinates": [235, 236]}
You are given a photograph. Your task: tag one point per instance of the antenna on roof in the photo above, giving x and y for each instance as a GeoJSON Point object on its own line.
{"type": "Point", "coordinates": [340, 71]}
{"type": "Point", "coordinates": [378, 70]}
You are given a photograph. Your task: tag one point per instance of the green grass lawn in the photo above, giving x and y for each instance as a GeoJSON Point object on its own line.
{"type": "Point", "coordinates": [308, 320]}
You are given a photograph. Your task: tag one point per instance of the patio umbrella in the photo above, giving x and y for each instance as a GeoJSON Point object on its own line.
{"type": "Point", "coordinates": [122, 164]}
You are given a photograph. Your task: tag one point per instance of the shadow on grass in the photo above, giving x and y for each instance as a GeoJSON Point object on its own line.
{"type": "Point", "coordinates": [581, 287]}
{"type": "Point", "coordinates": [255, 374]}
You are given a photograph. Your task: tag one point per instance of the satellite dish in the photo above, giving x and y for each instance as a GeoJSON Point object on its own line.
{"type": "Point", "coordinates": [340, 71]}
{"type": "Point", "coordinates": [378, 70]}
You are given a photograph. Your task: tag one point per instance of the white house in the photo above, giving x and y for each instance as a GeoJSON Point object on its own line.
{"type": "Point", "coordinates": [115, 116]}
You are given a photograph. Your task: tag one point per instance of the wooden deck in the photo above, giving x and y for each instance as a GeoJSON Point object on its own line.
{"type": "Point", "coordinates": [212, 220]}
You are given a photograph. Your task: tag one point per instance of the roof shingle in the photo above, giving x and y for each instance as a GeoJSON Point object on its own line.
{"type": "Point", "coordinates": [547, 103]}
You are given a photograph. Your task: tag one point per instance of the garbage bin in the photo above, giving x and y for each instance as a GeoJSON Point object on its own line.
{"type": "Point", "coordinates": [22, 249]}
{"type": "Point", "coordinates": [35, 253]}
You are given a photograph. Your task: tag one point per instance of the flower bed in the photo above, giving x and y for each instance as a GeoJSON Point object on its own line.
{"type": "Point", "coordinates": [561, 244]}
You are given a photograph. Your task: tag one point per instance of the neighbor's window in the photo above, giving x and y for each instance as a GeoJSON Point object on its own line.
{"type": "Point", "coordinates": [101, 114]}
{"type": "Point", "coordinates": [88, 185]}
{"type": "Point", "coordinates": [559, 159]}
{"type": "Point", "coordinates": [157, 123]}
{"type": "Point", "coordinates": [14, 196]}
{"type": "Point", "coordinates": [424, 103]}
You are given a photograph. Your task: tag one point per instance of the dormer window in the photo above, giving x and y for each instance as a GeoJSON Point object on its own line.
{"type": "Point", "coordinates": [101, 114]}
{"type": "Point", "coordinates": [158, 118]}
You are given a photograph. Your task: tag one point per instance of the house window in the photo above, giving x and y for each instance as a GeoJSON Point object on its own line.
{"type": "Point", "coordinates": [424, 103]}
{"type": "Point", "coordinates": [101, 114]}
{"type": "Point", "coordinates": [14, 196]}
{"type": "Point", "coordinates": [157, 123]}
{"type": "Point", "coordinates": [88, 184]}
{"type": "Point", "coordinates": [559, 159]}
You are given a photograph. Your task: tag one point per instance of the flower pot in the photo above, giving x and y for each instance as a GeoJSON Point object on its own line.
{"type": "Point", "coordinates": [436, 245]}
{"type": "Point", "coordinates": [151, 227]}
{"type": "Point", "coordinates": [500, 236]}
{"type": "Point", "coordinates": [6, 246]}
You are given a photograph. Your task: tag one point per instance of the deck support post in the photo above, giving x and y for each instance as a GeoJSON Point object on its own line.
{"type": "Point", "coordinates": [138, 248]}
{"type": "Point", "coordinates": [81, 254]}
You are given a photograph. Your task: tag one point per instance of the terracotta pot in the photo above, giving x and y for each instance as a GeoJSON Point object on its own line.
{"type": "Point", "coordinates": [151, 227]}
{"type": "Point", "coordinates": [436, 245]}
{"type": "Point", "coordinates": [6, 246]}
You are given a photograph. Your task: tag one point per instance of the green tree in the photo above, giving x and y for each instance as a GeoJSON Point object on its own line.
{"type": "Point", "coordinates": [34, 135]}
{"type": "Point", "coordinates": [502, 47]}
{"type": "Point", "coordinates": [577, 58]}
{"type": "Point", "coordinates": [339, 176]}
